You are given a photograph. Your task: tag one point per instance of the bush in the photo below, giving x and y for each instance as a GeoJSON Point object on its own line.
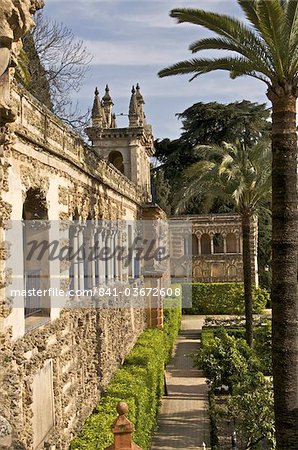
{"type": "Point", "coordinates": [222, 298]}
{"type": "Point", "coordinates": [263, 346]}
{"type": "Point", "coordinates": [227, 361]}
{"type": "Point", "coordinates": [172, 321]}
{"type": "Point", "coordinates": [253, 414]}
{"type": "Point", "coordinates": [139, 382]}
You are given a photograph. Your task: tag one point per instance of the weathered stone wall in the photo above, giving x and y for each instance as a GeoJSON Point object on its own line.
{"type": "Point", "coordinates": [85, 347]}
{"type": "Point", "coordinates": [52, 371]}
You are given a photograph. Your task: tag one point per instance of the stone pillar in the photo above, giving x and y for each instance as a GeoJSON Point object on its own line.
{"type": "Point", "coordinates": [122, 429]}
{"type": "Point", "coordinates": [116, 261]}
{"type": "Point", "coordinates": [101, 261]}
{"type": "Point", "coordinates": [88, 246]}
{"type": "Point", "coordinates": [225, 243]}
{"type": "Point", "coordinates": [75, 259]}
{"type": "Point", "coordinates": [81, 282]}
{"type": "Point", "coordinates": [110, 250]}
{"type": "Point", "coordinates": [199, 245]}
{"type": "Point", "coordinates": [212, 244]}
{"type": "Point", "coordinates": [92, 253]}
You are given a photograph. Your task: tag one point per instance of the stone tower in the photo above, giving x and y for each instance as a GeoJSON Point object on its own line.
{"type": "Point", "coordinates": [128, 149]}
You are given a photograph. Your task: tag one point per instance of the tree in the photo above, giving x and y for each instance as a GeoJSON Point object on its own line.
{"type": "Point", "coordinates": [209, 123]}
{"type": "Point", "coordinates": [214, 123]}
{"type": "Point", "coordinates": [161, 189]}
{"type": "Point", "coordinates": [266, 48]}
{"type": "Point", "coordinates": [240, 175]}
{"type": "Point", "coordinates": [57, 64]}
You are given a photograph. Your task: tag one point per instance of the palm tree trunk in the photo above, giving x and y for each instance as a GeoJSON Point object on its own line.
{"type": "Point", "coordinates": [247, 277]}
{"type": "Point", "coordinates": [284, 269]}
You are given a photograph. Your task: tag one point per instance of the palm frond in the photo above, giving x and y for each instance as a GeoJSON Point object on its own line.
{"type": "Point", "coordinates": [249, 8]}
{"type": "Point", "coordinates": [291, 35]}
{"type": "Point", "coordinates": [227, 27]}
{"type": "Point", "coordinates": [237, 66]}
{"type": "Point", "coordinates": [248, 51]}
{"type": "Point", "coordinates": [271, 23]}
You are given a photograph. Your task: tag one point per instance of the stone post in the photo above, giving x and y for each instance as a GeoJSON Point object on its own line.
{"type": "Point", "coordinates": [122, 429]}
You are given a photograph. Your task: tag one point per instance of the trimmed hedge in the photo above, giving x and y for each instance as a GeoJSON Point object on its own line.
{"type": "Point", "coordinates": [222, 298]}
{"type": "Point", "coordinates": [172, 322]}
{"type": "Point", "coordinates": [139, 382]}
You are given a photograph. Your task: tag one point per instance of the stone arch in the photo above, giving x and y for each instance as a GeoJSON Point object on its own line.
{"type": "Point", "coordinates": [205, 244]}
{"type": "Point", "coordinates": [194, 244]}
{"type": "Point", "coordinates": [116, 158]}
{"type": "Point", "coordinates": [36, 263]}
{"type": "Point", "coordinates": [232, 243]}
{"type": "Point", "coordinates": [218, 243]}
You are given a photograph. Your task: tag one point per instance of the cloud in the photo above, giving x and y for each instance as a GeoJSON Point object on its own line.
{"type": "Point", "coordinates": [131, 40]}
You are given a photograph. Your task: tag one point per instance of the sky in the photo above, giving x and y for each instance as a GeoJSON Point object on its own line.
{"type": "Point", "coordinates": [130, 41]}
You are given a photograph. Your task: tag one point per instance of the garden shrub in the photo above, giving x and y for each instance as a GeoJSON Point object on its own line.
{"type": "Point", "coordinates": [263, 346]}
{"type": "Point", "coordinates": [172, 321]}
{"type": "Point", "coordinates": [253, 414]}
{"type": "Point", "coordinates": [227, 361]}
{"type": "Point", "coordinates": [222, 298]}
{"type": "Point", "coordinates": [139, 382]}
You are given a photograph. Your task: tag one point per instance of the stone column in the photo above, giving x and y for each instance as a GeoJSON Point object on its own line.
{"type": "Point", "coordinates": [224, 243]}
{"type": "Point", "coordinates": [88, 247]}
{"type": "Point", "coordinates": [212, 244]}
{"type": "Point", "coordinates": [92, 251]}
{"type": "Point", "coordinates": [75, 259]}
{"type": "Point", "coordinates": [81, 279]}
{"type": "Point", "coordinates": [110, 262]}
{"type": "Point", "coordinates": [116, 260]}
{"type": "Point", "coordinates": [101, 261]}
{"type": "Point", "coordinates": [199, 245]}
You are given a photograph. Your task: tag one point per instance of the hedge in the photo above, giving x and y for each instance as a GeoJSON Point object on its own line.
{"type": "Point", "coordinates": [139, 382]}
{"type": "Point", "coordinates": [172, 321]}
{"type": "Point", "coordinates": [222, 298]}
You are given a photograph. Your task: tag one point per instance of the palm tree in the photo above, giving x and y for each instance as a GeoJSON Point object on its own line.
{"type": "Point", "coordinates": [239, 176]}
{"type": "Point", "coordinates": [266, 48]}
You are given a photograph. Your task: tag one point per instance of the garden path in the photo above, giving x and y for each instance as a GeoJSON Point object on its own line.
{"type": "Point", "coordinates": [183, 421]}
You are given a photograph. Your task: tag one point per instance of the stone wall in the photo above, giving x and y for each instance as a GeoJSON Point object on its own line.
{"type": "Point", "coordinates": [84, 347]}
{"type": "Point", "coordinates": [53, 370]}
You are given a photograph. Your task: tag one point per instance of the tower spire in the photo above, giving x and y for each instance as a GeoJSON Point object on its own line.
{"type": "Point", "coordinates": [97, 116]}
{"type": "Point", "coordinates": [133, 113]}
{"type": "Point", "coordinates": [140, 104]}
{"type": "Point", "coordinates": [108, 107]}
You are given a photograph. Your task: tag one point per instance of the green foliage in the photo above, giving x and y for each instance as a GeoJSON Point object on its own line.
{"type": "Point", "coordinates": [253, 415]}
{"type": "Point", "coordinates": [263, 347]}
{"type": "Point", "coordinates": [161, 189]}
{"type": "Point", "coordinates": [227, 361]}
{"type": "Point", "coordinates": [139, 382]}
{"type": "Point", "coordinates": [172, 321]}
{"type": "Point", "coordinates": [223, 298]}
{"type": "Point", "coordinates": [264, 248]}
{"type": "Point", "coordinates": [214, 123]}
{"type": "Point", "coordinates": [22, 73]}
{"type": "Point", "coordinates": [207, 124]}
{"type": "Point", "coordinates": [263, 48]}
